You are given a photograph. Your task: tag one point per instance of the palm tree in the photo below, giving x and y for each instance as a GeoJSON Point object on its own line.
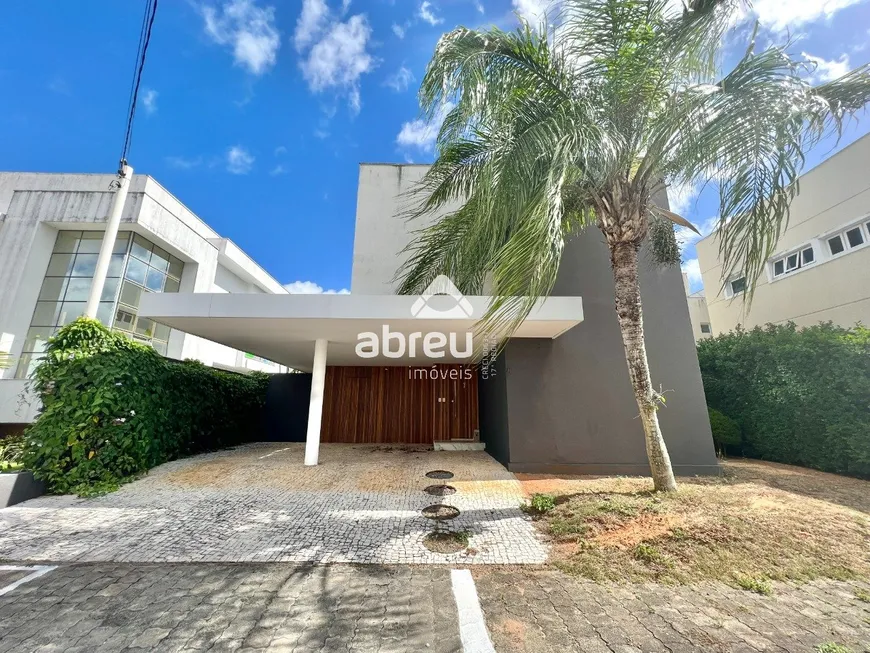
{"type": "Point", "coordinates": [550, 131]}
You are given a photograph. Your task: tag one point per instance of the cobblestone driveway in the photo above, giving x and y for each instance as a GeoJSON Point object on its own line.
{"type": "Point", "coordinates": [259, 503]}
{"type": "Point", "coordinates": [548, 612]}
{"type": "Point", "coordinates": [107, 608]}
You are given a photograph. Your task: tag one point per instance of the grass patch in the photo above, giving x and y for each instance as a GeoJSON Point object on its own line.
{"type": "Point", "coordinates": [757, 585]}
{"type": "Point", "coordinates": [832, 647]}
{"type": "Point", "coordinates": [861, 595]}
{"type": "Point", "coordinates": [539, 504]}
{"type": "Point", "coordinates": [446, 542]}
{"type": "Point", "coordinates": [10, 467]}
{"type": "Point", "coordinates": [759, 523]}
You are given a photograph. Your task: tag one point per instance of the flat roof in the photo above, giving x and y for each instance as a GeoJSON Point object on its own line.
{"type": "Point", "coordinates": [283, 328]}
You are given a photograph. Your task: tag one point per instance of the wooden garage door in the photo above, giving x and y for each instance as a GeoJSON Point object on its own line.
{"type": "Point", "coordinates": [399, 404]}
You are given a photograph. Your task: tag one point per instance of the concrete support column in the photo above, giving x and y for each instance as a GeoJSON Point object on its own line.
{"type": "Point", "coordinates": [315, 407]}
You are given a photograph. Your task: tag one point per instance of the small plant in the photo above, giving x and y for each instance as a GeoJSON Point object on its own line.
{"type": "Point", "coordinates": [861, 595]}
{"type": "Point", "coordinates": [650, 554]}
{"type": "Point", "coordinates": [832, 647]}
{"type": "Point", "coordinates": [11, 452]}
{"type": "Point", "coordinates": [752, 584]}
{"type": "Point", "coordinates": [446, 541]}
{"type": "Point", "coordinates": [539, 504]}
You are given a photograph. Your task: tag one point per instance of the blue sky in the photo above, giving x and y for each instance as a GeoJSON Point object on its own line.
{"type": "Point", "coordinates": [255, 114]}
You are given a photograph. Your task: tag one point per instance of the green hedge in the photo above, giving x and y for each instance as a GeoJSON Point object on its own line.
{"type": "Point", "coordinates": [726, 432]}
{"type": "Point", "coordinates": [799, 396]}
{"type": "Point", "coordinates": [113, 408]}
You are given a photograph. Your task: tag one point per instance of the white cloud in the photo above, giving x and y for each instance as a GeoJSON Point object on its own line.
{"type": "Point", "coordinates": [399, 31]}
{"type": "Point", "coordinates": [311, 23]}
{"type": "Point", "coordinates": [479, 6]}
{"type": "Point", "coordinates": [693, 270]}
{"type": "Point", "coordinates": [825, 71]}
{"type": "Point", "coordinates": [427, 14]}
{"type": "Point", "coordinates": [280, 150]}
{"type": "Point", "coordinates": [399, 80]}
{"type": "Point", "coordinates": [687, 238]}
{"type": "Point", "coordinates": [149, 100]}
{"type": "Point", "coordinates": [248, 29]}
{"type": "Point", "coordinates": [311, 288]}
{"type": "Point", "coordinates": [780, 15]}
{"type": "Point", "coordinates": [337, 54]}
{"type": "Point", "coordinates": [239, 160]}
{"type": "Point", "coordinates": [278, 170]}
{"type": "Point", "coordinates": [532, 10]}
{"type": "Point", "coordinates": [421, 134]}
{"type": "Point", "coordinates": [681, 196]}
{"type": "Point", "coordinates": [183, 163]}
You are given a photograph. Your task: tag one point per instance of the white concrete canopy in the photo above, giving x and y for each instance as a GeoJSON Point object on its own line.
{"type": "Point", "coordinates": [284, 328]}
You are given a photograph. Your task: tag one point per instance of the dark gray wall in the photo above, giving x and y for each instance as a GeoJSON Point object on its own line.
{"type": "Point", "coordinates": [570, 403]}
{"type": "Point", "coordinates": [286, 411]}
{"type": "Point", "coordinates": [493, 410]}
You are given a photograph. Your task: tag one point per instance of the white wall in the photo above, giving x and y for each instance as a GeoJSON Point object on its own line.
{"type": "Point", "coordinates": [34, 206]}
{"type": "Point", "coordinates": [833, 194]}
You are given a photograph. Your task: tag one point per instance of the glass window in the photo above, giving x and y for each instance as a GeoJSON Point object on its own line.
{"type": "Point", "coordinates": [141, 248]}
{"type": "Point", "coordinates": [116, 265]}
{"type": "Point", "coordinates": [136, 271]}
{"type": "Point", "coordinates": [161, 332]}
{"type": "Point", "coordinates": [124, 320]}
{"type": "Point", "coordinates": [836, 245]}
{"type": "Point", "coordinates": [85, 265]}
{"type": "Point", "coordinates": [738, 285]}
{"type": "Point", "coordinates": [176, 267]}
{"type": "Point", "coordinates": [91, 242]}
{"type": "Point", "coordinates": [121, 242]}
{"type": "Point", "coordinates": [855, 237]}
{"type": "Point", "coordinates": [144, 327]}
{"type": "Point", "coordinates": [104, 312]}
{"type": "Point", "coordinates": [78, 290]}
{"type": "Point", "coordinates": [45, 314]}
{"type": "Point", "coordinates": [37, 338]}
{"type": "Point", "coordinates": [154, 280]}
{"type": "Point", "coordinates": [791, 263]}
{"type": "Point", "coordinates": [160, 347]}
{"type": "Point", "coordinates": [52, 288]}
{"type": "Point", "coordinates": [160, 259]}
{"type": "Point", "coordinates": [60, 265]}
{"type": "Point", "coordinates": [110, 290]}
{"type": "Point", "coordinates": [130, 294]}
{"type": "Point", "coordinates": [705, 328]}
{"type": "Point", "coordinates": [808, 255]}
{"type": "Point", "coordinates": [171, 285]}
{"type": "Point", "coordinates": [70, 311]}
{"type": "Point", "coordinates": [26, 364]}
{"type": "Point", "coordinates": [779, 268]}
{"type": "Point", "coordinates": [67, 241]}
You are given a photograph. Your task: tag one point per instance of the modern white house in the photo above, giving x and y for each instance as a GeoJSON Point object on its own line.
{"type": "Point", "coordinates": [698, 313]}
{"type": "Point", "coordinates": [819, 270]}
{"type": "Point", "coordinates": [51, 228]}
{"type": "Point", "coordinates": [383, 368]}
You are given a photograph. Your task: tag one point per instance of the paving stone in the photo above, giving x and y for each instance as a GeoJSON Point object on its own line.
{"type": "Point", "coordinates": [259, 503]}
{"type": "Point", "coordinates": [708, 617]}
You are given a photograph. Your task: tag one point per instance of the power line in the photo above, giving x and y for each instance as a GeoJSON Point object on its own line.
{"type": "Point", "coordinates": [141, 52]}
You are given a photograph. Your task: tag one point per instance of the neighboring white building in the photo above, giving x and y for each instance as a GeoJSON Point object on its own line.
{"type": "Point", "coordinates": [698, 313]}
{"type": "Point", "coordinates": [51, 228]}
{"type": "Point", "coordinates": [819, 271]}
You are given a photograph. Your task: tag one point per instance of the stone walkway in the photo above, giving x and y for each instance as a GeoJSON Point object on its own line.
{"type": "Point", "coordinates": [259, 503]}
{"type": "Point", "coordinates": [107, 608]}
{"type": "Point", "coordinates": [548, 612]}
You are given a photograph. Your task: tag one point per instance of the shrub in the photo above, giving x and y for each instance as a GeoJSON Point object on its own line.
{"type": "Point", "coordinates": [11, 453]}
{"type": "Point", "coordinates": [799, 396]}
{"type": "Point", "coordinates": [113, 408]}
{"type": "Point", "coordinates": [539, 504]}
{"type": "Point", "coordinates": [726, 432]}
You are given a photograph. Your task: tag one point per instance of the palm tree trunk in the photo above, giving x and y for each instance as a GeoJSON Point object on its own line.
{"type": "Point", "coordinates": [623, 258]}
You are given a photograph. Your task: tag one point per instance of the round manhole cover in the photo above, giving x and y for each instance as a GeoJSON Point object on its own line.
{"type": "Point", "coordinates": [440, 511]}
{"type": "Point", "coordinates": [439, 473]}
{"type": "Point", "coordinates": [440, 490]}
